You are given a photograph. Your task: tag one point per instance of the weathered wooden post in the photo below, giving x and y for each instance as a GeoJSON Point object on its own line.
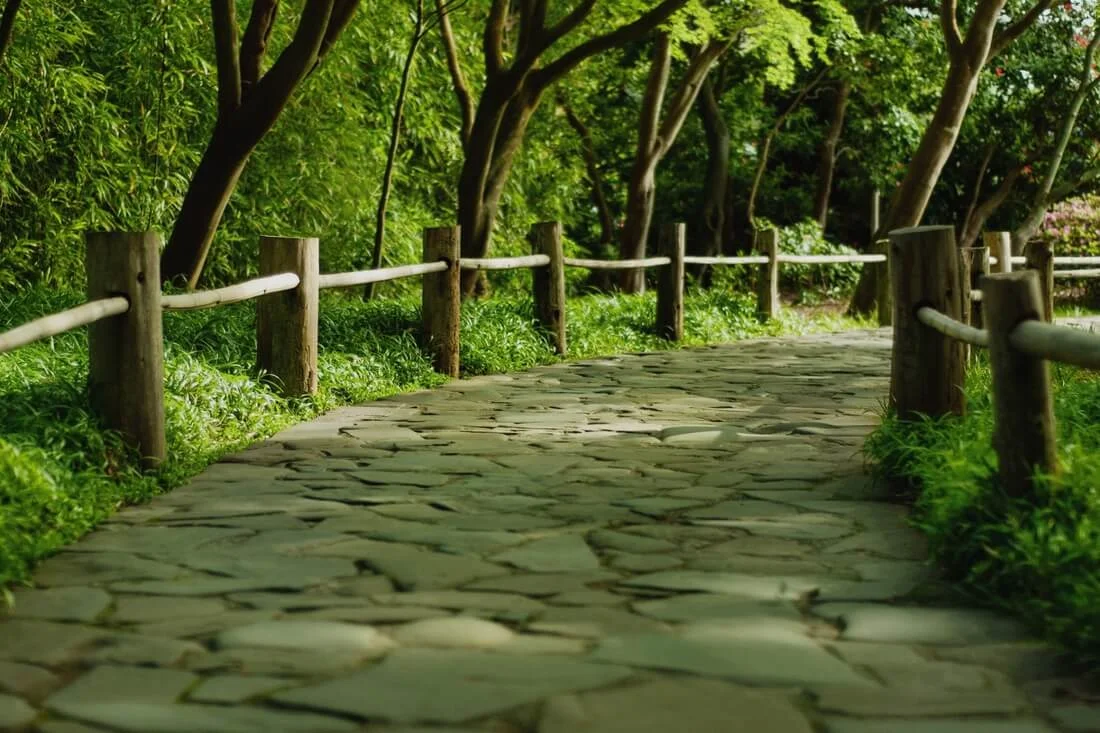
{"type": "Point", "coordinates": [1040, 258]}
{"type": "Point", "coordinates": [974, 262]}
{"type": "Point", "coordinates": [883, 297]}
{"type": "Point", "coordinates": [126, 352]}
{"type": "Point", "coordinates": [928, 368]}
{"type": "Point", "coordinates": [1023, 432]}
{"type": "Point", "coordinates": [767, 288]}
{"type": "Point", "coordinates": [670, 283]}
{"type": "Point", "coordinates": [441, 304]}
{"type": "Point", "coordinates": [549, 282]}
{"type": "Point", "coordinates": [286, 322]}
{"type": "Point", "coordinates": [876, 211]}
{"type": "Point", "coordinates": [1000, 246]}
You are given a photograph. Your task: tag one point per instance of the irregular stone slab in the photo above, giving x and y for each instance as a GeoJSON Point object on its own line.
{"type": "Point", "coordinates": [624, 542]}
{"type": "Point", "coordinates": [461, 600]}
{"type": "Point", "coordinates": [162, 542]}
{"type": "Point", "coordinates": [946, 677]}
{"type": "Point", "coordinates": [918, 702]}
{"type": "Point", "coordinates": [231, 689]}
{"type": "Point", "coordinates": [760, 652]}
{"type": "Point", "coordinates": [26, 680]}
{"type": "Point", "coordinates": [755, 565]}
{"type": "Point", "coordinates": [707, 606]}
{"type": "Point", "coordinates": [921, 625]}
{"type": "Point", "coordinates": [562, 553]}
{"type": "Point", "coordinates": [82, 568]}
{"type": "Point", "coordinates": [1021, 661]}
{"type": "Point", "coordinates": [413, 568]}
{"type": "Point", "coordinates": [672, 705]}
{"type": "Point", "coordinates": [141, 649]}
{"type": "Point", "coordinates": [46, 643]}
{"type": "Point", "coordinates": [794, 527]}
{"type": "Point", "coordinates": [588, 598]}
{"type": "Point", "coordinates": [644, 563]}
{"type": "Point", "coordinates": [851, 725]}
{"type": "Point", "coordinates": [73, 603]}
{"type": "Point", "coordinates": [591, 622]}
{"type": "Point", "coordinates": [735, 584]}
{"type": "Point", "coordinates": [318, 637]}
{"type": "Point", "coordinates": [541, 585]}
{"type": "Point", "coordinates": [197, 586]}
{"type": "Point", "coordinates": [141, 609]}
{"type": "Point", "coordinates": [15, 712]}
{"type": "Point", "coordinates": [743, 509]}
{"type": "Point", "coordinates": [656, 506]}
{"type": "Point", "coordinates": [306, 601]}
{"type": "Point", "coordinates": [373, 614]}
{"type": "Point", "coordinates": [108, 683]}
{"type": "Point", "coordinates": [904, 544]}
{"type": "Point", "coordinates": [400, 478]}
{"type": "Point", "coordinates": [289, 663]}
{"type": "Point", "coordinates": [65, 726]}
{"type": "Point", "coordinates": [290, 571]}
{"type": "Point", "coordinates": [201, 626]}
{"type": "Point", "coordinates": [450, 686]}
{"type": "Point", "coordinates": [876, 654]}
{"type": "Point", "coordinates": [542, 644]}
{"type": "Point", "coordinates": [456, 632]}
{"type": "Point", "coordinates": [135, 717]}
{"type": "Point", "coordinates": [1077, 718]}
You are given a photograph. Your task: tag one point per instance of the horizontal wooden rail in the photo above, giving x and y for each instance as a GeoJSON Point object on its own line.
{"type": "Point", "coordinates": [504, 263]}
{"type": "Point", "coordinates": [58, 323]}
{"type": "Point", "coordinates": [382, 274]}
{"type": "Point", "coordinates": [976, 296]}
{"type": "Point", "coordinates": [617, 264]}
{"type": "Point", "coordinates": [246, 290]}
{"type": "Point", "coordinates": [1057, 343]}
{"type": "Point", "coordinates": [1077, 260]}
{"type": "Point", "coordinates": [1072, 274]}
{"type": "Point", "coordinates": [829, 259]}
{"type": "Point", "coordinates": [950, 327]}
{"type": "Point", "coordinates": [743, 260]}
{"type": "Point", "coordinates": [1016, 260]}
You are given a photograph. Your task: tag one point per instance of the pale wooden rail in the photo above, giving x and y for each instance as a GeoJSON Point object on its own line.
{"type": "Point", "coordinates": [830, 259]}
{"type": "Point", "coordinates": [246, 290]}
{"type": "Point", "coordinates": [504, 263]}
{"type": "Point", "coordinates": [1076, 274]}
{"type": "Point", "coordinates": [58, 323]}
{"type": "Point", "coordinates": [383, 274]}
{"type": "Point", "coordinates": [616, 264]}
{"type": "Point", "coordinates": [744, 260]}
{"type": "Point", "coordinates": [950, 327]}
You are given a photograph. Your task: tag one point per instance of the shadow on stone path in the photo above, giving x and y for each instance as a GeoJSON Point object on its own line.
{"type": "Point", "coordinates": [680, 541]}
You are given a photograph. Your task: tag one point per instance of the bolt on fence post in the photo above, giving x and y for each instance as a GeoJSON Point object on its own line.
{"type": "Point", "coordinates": [1023, 414]}
{"type": "Point", "coordinates": [548, 283]}
{"type": "Point", "coordinates": [670, 283]}
{"type": "Point", "coordinates": [1000, 246]}
{"type": "Point", "coordinates": [1040, 258]}
{"type": "Point", "coordinates": [883, 296]}
{"type": "Point", "coordinates": [442, 302]}
{"type": "Point", "coordinates": [927, 368]}
{"type": "Point", "coordinates": [286, 322]}
{"type": "Point", "coordinates": [767, 289]}
{"type": "Point", "coordinates": [126, 352]}
{"type": "Point", "coordinates": [974, 262]}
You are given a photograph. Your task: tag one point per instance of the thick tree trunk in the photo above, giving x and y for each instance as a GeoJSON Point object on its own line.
{"type": "Point", "coordinates": [7, 25]}
{"type": "Point", "coordinates": [827, 155]}
{"type": "Point", "coordinates": [709, 242]}
{"type": "Point", "coordinates": [640, 195]}
{"type": "Point", "coordinates": [203, 205]}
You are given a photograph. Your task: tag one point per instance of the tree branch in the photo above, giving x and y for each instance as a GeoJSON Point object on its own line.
{"type": "Point", "coordinates": [949, 23]}
{"type": "Point", "coordinates": [977, 218]}
{"type": "Point", "coordinates": [1002, 40]}
{"type": "Point", "coordinates": [493, 39]}
{"type": "Point", "coordinates": [454, 65]}
{"type": "Point", "coordinates": [654, 97]}
{"type": "Point", "coordinates": [224, 14]}
{"type": "Point", "coordinates": [7, 25]}
{"type": "Point", "coordinates": [623, 34]}
{"type": "Point", "coordinates": [254, 43]}
{"type": "Point", "coordinates": [342, 13]}
{"type": "Point", "coordinates": [688, 90]}
{"type": "Point", "coordinates": [573, 19]}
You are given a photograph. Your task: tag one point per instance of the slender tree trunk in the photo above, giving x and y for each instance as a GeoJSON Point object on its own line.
{"type": "Point", "coordinates": [7, 25]}
{"type": "Point", "coordinates": [395, 139]}
{"type": "Point", "coordinates": [640, 196]}
{"type": "Point", "coordinates": [708, 241]}
{"type": "Point", "coordinates": [980, 214]}
{"type": "Point", "coordinates": [595, 182]}
{"type": "Point", "coordinates": [827, 154]}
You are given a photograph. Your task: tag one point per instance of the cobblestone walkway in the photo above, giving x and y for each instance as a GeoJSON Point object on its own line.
{"type": "Point", "coordinates": [678, 543]}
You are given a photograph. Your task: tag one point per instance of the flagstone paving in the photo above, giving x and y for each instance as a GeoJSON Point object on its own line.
{"type": "Point", "coordinates": [679, 541]}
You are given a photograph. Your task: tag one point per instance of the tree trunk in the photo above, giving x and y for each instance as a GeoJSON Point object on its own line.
{"type": "Point", "coordinates": [639, 215]}
{"type": "Point", "coordinates": [595, 182]}
{"type": "Point", "coordinates": [709, 243]}
{"type": "Point", "coordinates": [980, 214]}
{"type": "Point", "coordinates": [7, 25]}
{"type": "Point", "coordinates": [827, 155]}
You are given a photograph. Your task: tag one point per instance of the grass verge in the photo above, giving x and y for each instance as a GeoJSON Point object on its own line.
{"type": "Point", "coordinates": [61, 473]}
{"type": "Point", "coordinates": [1037, 557]}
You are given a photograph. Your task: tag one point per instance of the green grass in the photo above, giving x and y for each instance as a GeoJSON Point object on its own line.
{"type": "Point", "coordinates": [61, 474]}
{"type": "Point", "coordinates": [1036, 557]}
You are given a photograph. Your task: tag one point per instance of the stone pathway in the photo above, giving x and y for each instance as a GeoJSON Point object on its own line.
{"type": "Point", "coordinates": [667, 542]}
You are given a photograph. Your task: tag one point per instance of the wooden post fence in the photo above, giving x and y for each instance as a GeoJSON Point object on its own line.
{"type": "Point", "coordinates": [883, 297]}
{"type": "Point", "coordinates": [548, 282]}
{"type": "Point", "coordinates": [767, 289]}
{"type": "Point", "coordinates": [126, 352]}
{"type": "Point", "coordinates": [974, 263]}
{"type": "Point", "coordinates": [441, 303]}
{"type": "Point", "coordinates": [928, 368]}
{"type": "Point", "coordinates": [1000, 246]}
{"type": "Point", "coordinates": [286, 322]}
{"type": "Point", "coordinates": [1022, 409]}
{"type": "Point", "coordinates": [670, 283]}
{"type": "Point", "coordinates": [1040, 258]}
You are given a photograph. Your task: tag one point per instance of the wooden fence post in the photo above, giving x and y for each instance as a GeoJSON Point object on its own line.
{"type": "Point", "coordinates": [126, 352]}
{"type": "Point", "coordinates": [670, 283]}
{"type": "Point", "coordinates": [1023, 432]}
{"type": "Point", "coordinates": [767, 288]}
{"type": "Point", "coordinates": [928, 368]}
{"type": "Point", "coordinates": [549, 282]}
{"type": "Point", "coordinates": [974, 262]}
{"type": "Point", "coordinates": [286, 322]}
{"type": "Point", "coordinates": [1000, 246]}
{"type": "Point", "coordinates": [1040, 258]}
{"type": "Point", "coordinates": [442, 302]}
{"type": "Point", "coordinates": [883, 295]}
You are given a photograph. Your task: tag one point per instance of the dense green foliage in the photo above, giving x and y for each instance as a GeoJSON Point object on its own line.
{"type": "Point", "coordinates": [1036, 557]}
{"type": "Point", "coordinates": [60, 474]}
